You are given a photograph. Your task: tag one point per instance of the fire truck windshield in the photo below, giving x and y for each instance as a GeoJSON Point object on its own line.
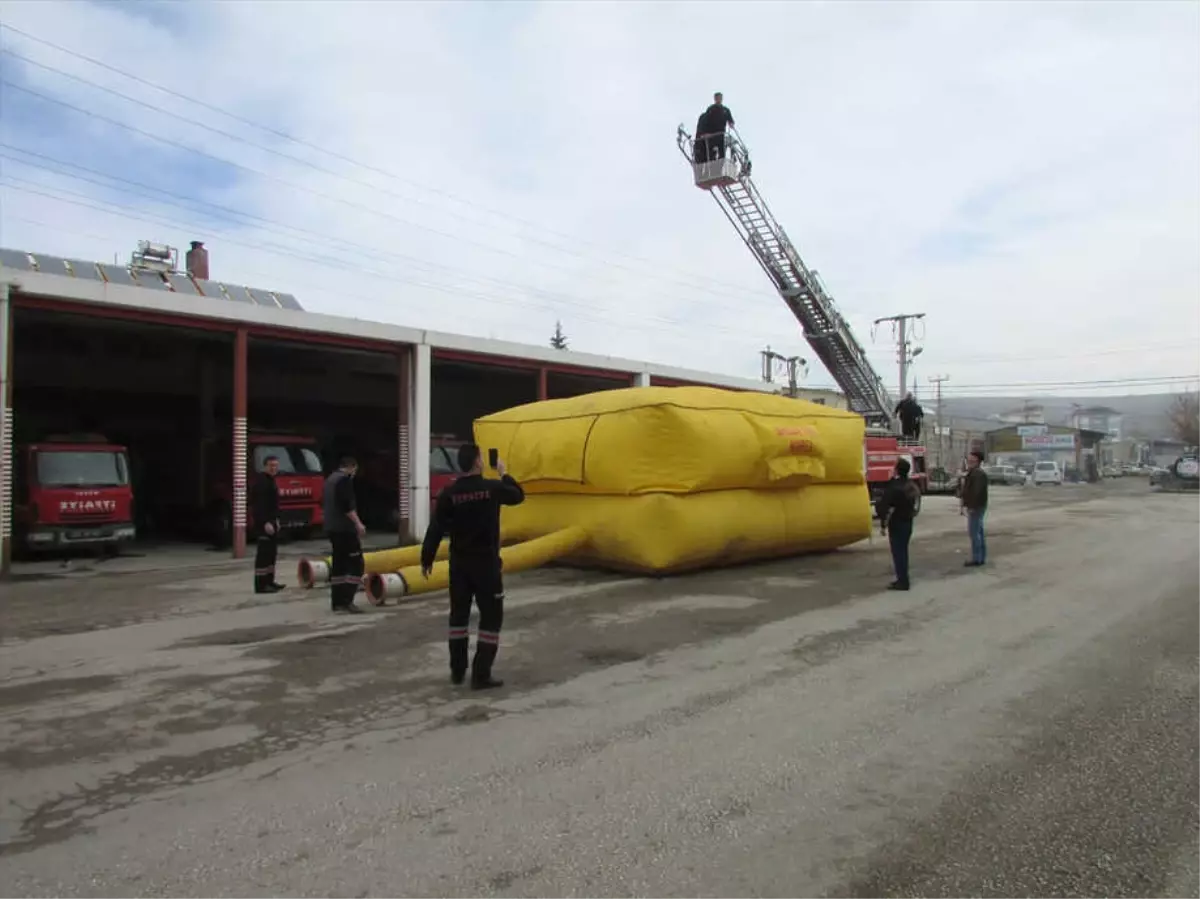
{"type": "Point", "coordinates": [292, 459]}
{"type": "Point", "coordinates": [81, 468]}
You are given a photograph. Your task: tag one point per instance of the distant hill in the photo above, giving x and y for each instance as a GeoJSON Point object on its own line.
{"type": "Point", "coordinates": [1144, 415]}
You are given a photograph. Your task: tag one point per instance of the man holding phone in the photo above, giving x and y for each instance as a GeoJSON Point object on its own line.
{"type": "Point", "coordinates": [469, 511]}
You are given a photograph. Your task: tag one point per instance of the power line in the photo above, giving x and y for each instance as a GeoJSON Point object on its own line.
{"type": "Point", "coordinates": [694, 284]}
{"type": "Point", "coordinates": [367, 167]}
{"type": "Point", "coordinates": [333, 153]}
{"type": "Point", "coordinates": [1096, 382]}
{"type": "Point", "coordinates": [356, 267]}
{"type": "Point", "coordinates": [364, 252]}
{"type": "Point", "coordinates": [275, 250]}
{"type": "Point", "coordinates": [186, 203]}
{"type": "Point", "coordinates": [281, 181]}
{"type": "Point", "coordinates": [1011, 394]}
{"type": "Point", "coordinates": [1086, 354]}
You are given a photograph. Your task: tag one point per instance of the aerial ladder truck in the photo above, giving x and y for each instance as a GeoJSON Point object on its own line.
{"type": "Point", "coordinates": [727, 179]}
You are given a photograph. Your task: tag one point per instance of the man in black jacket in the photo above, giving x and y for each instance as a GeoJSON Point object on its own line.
{"type": "Point", "coordinates": [264, 508]}
{"type": "Point", "coordinates": [469, 510]}
{"type": "Point", "coordinates": [710, 129]}
{"type": "Point", "coordinates": [910, 413]}
{"type": "Point", "coordinates": [345, 531]}
{"type": "Point", "coordinates": [974, 503]}
{"type": "Point", "coordinates": [897, 508]}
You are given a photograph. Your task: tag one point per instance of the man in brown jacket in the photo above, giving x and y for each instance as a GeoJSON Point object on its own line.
{"type": "Point", "coordinates": [974, 504]}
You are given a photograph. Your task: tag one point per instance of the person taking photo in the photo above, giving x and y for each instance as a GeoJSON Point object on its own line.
{"type": "Point", "coordinates": [469, 511]}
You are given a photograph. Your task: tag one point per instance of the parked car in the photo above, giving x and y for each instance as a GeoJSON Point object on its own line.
{"type": "Point", "coordinates": [1046, 473]}
{"type": "Point", "coordinates": [1008, 475]}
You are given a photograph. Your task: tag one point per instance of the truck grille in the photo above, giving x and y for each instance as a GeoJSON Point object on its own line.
{"type": "Point", "coordinates": [85, 518]}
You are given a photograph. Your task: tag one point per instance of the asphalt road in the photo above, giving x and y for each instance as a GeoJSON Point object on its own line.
{"type": "Point", "coordinates": [778, 730]}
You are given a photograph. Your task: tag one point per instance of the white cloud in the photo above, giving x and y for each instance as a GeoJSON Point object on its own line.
{"type": "Point", "coordinates": [1057, 142]}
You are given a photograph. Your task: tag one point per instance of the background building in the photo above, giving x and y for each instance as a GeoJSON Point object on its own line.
{"type": "Point", "coordinates": [1098, 418]}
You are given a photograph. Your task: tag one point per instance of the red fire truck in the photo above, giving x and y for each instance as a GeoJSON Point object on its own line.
{"type": "Point", "coordinates": [881, 451]}
{"type": "Point", "coordinates": [443, 464]}
{"type": "Point", "coordinates": [72, 490]}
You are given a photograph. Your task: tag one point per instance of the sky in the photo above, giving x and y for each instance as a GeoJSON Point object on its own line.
{"type": "Point", "coordinates": [1027, 175]}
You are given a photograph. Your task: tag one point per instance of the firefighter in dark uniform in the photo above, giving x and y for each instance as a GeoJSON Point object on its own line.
{"type": "Point", "coordinates": [264, 507]}
{"type": "Point", "coordinates": [710, 129]}
{"type": "Point", "coordinates": [345, 531]}
{"type": "Point", "coordinates": [897, 508]}
{"type": "Point", "coordinates": [469, 510]}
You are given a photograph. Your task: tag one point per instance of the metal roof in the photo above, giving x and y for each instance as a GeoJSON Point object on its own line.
{"type": "Point", "coordinates": [116, 287]}
{"type": "Point", "coordinates": [123, 275]}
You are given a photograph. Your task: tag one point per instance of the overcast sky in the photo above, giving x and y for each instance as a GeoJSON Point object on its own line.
{"type": "Point", "coordinates": [1027, 175]}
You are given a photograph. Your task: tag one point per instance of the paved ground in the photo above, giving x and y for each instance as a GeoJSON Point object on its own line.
{"type": "Point", "coordinates": [780, 729]}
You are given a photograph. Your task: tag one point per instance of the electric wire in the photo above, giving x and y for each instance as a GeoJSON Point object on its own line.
{"type": "Point", "coordinates": [225, 213]}
{"type": "Point", "coordinates": [698, 285]}
{"type": "Point", "coordinates": [366, 167]}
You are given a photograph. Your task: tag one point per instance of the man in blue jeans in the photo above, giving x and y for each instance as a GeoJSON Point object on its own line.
{"type": "Point", "coordinates": [974, 504]}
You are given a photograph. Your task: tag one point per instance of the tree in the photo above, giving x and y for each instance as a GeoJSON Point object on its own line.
{"type": "Point", "coordinates": [558, 340]}
{"type": "Point", "coordinates": [1185, 418]}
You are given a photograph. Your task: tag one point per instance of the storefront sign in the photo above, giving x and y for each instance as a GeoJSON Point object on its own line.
{"type": "Point", "coordinates": [1048, 442]}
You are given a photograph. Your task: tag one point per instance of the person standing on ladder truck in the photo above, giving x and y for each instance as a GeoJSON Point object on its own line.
{"type": "Point", "coordinates": [910, 413]}
{"type": "Point", "coordinates": [710, 130]}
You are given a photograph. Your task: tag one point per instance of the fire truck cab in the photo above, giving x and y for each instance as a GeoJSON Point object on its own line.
{"type": "Point", "coordinates": [72, 490]}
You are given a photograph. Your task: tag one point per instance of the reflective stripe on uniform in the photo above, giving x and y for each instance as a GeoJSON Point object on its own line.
{"type": "Point", "coordinates": [458, 633]}
{"type": "Point", "coordinates": [489, 637]}
{"type": "Point", "coordinates": [270, 569]}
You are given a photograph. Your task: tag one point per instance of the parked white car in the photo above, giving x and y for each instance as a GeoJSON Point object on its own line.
{"type": "Point", "coordinates": [1046, 473]}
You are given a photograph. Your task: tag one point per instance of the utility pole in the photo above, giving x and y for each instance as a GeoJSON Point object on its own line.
{"type": "Point", "coordinates": [905, 352]}
{"type": "Point", "coordinates": [937, 382]}
{"type": "Point", "coordinates": [792, 364]}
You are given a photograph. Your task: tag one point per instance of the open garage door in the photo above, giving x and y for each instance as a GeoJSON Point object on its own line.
{"type": "Point", "coordinates": [164, 396]}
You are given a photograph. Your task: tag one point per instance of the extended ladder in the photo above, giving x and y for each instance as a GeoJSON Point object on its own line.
{"type": "Point", "coordinates": [728, 180]}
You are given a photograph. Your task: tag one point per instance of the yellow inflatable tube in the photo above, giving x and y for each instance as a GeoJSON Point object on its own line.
{"type": "Point", "coordinates": [409, 581]}
{"type": "Point", "coordinates": [660, 534]}
{"type": "Point", "coordinates": [310, 572]}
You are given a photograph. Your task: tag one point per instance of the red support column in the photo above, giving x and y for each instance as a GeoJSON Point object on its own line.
{"type": "Point", "coordinates": [543, 389]}
{"type": "Point", "coordinates": [403, 446]}
{"type": "Point", "coordinates": [240, 354]}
